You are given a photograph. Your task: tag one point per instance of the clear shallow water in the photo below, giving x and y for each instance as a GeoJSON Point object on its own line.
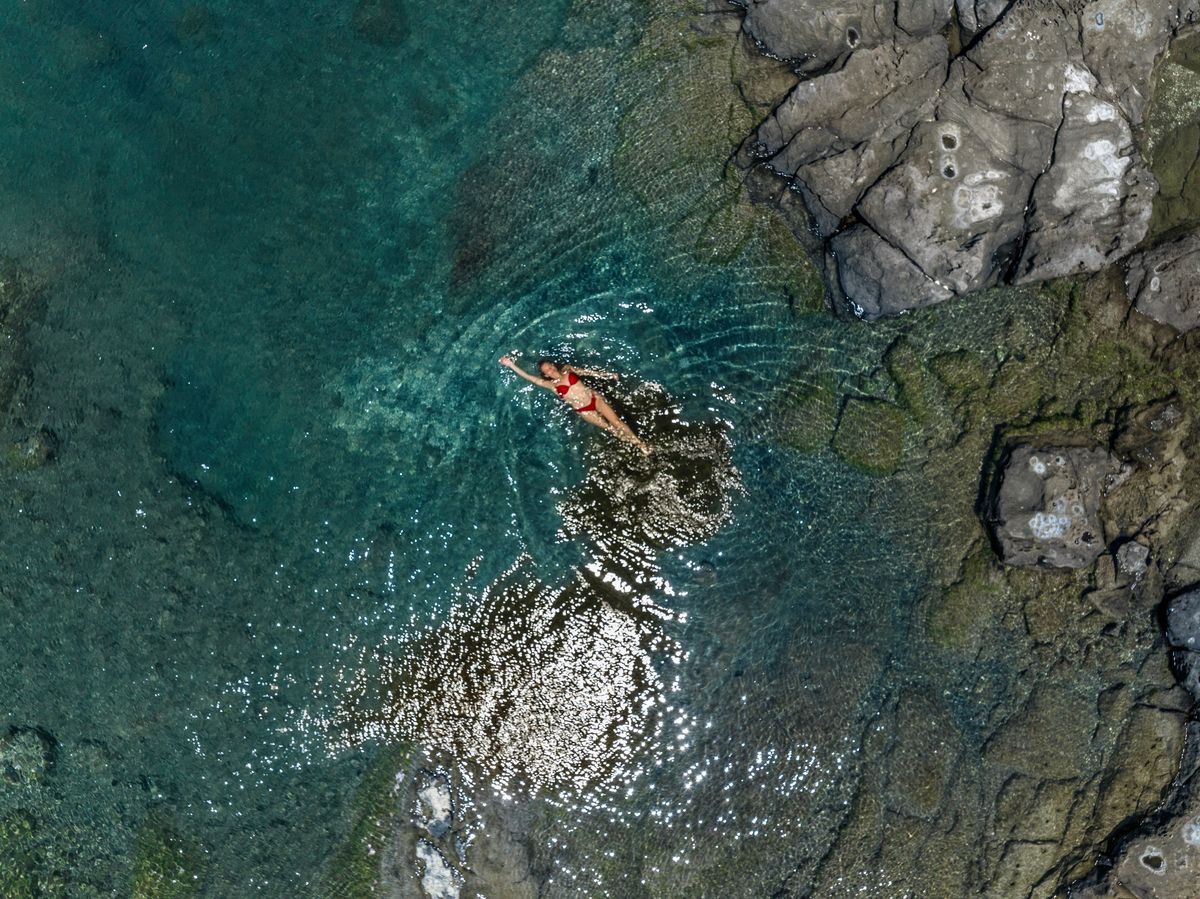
{"type": "Point", "coordinates": [283, 261]}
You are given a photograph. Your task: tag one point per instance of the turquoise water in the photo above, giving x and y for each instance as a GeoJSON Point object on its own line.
{"type": "Point", "coordinates": [283, 251]}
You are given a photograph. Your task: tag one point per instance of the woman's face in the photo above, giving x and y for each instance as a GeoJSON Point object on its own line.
{"type": "Point", "coordinates": [550, 370]}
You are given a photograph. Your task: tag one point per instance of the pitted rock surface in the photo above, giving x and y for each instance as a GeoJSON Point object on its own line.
{"type": "Point", "coordinates": [1163, 866]}
{"type": "Point", "coordinates": [928, 175]}
{"type": "Point", "coordinates": [815, 35]}
{"type": "Point", "coordinates": [1047, 509]}
{"type": "Point", "coordinates": [1164, 282]}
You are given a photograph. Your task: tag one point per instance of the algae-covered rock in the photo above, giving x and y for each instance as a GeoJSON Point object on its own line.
{"type": "Point", "coordinates": [1172, 135]}
{"type": "Point", "coordinates": [381, 22]}
{"type": "Point", "coordinates": [21, 300]}
{"type": "Point", "coordinates": [905, 367]}
{"type": "Point", "coordinates": [196, 26]}
{"type": "Point", "coordinates": [32, 452]}
{"type": "Point", "coordinates": [870, 435]}
{"type": "Point", "coordinates": [921, 760]}
{"type": "Point", "coordinates": [1016, 392]}
{"type": "Point", "coordinates": [27, 755]}
{"type": "Point", "coordinates": [807, 416]}
{"type": "Point", "coordinates": [166, 865]}
{"type": "Point", "coordinates": [1050, 737]}
{"type": "Point", "coordinates": [355, 868]}
{"type": "Point", "coordinates": [18, 856]}
{"type": "Point", "coordinates": [956, 616]}
{"type": "Point", "coordinates": [961, 371]}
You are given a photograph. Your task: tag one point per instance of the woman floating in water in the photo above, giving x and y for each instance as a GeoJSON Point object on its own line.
{"type": "Point", "coordinates": [591, 406]}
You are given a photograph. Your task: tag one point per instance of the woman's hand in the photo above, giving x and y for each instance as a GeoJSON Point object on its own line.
{"type": "Point", "coordinates": [507, 362]}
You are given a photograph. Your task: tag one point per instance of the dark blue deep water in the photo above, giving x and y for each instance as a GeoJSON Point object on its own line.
{"type": "Point", "coordinates": [283, 247]}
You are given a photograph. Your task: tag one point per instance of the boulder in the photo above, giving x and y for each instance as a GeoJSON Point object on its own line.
{"type": "Point", "coordinates": [834, 136]}
{"type": "Point", "coordinates": [1046, 510]}
{"type": "Point", "coordinates": [1183, 635]}
{"type": "Point", "coordinates": [1164, 283]}
{"type": "Point", "coordinates": [1183, 622]}
{"type": "Point", "coordinates": [877, 279]}
{"type": "Point", "coordinates": [1133, 559]}
{"type": "Point", "coordinates": [929, 175]}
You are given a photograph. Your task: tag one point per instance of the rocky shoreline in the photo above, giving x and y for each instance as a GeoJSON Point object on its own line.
{"type": "Point", "coordinates": [948, 147]}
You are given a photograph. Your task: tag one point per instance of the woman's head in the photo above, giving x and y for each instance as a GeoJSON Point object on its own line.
{"type": "Point", "coordinates": [549, 369]}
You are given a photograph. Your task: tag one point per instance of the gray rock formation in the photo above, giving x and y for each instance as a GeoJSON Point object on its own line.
{"type": "Point", "coordinates": [1160, 860]}
{"type": "Point", "coordinates": [1164, 282]}
{"type": "Point", "coordinates": [814, 36]}
{"type": "Point", "coordinates": [1047, 508]}
{"type": "Point", "coordinates": [1133, 559]}
{"type": "Point", "coordinates": [927, 176]}
{"type": "Point", "coordinates": [1183, 634]}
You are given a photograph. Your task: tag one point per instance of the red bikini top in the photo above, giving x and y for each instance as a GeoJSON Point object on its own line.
{"type": "Point", "coordinates": [571, 382]}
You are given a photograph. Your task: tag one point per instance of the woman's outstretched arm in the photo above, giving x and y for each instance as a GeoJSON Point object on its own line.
{"type": "Point", "coordinates": [592, 372]}
{"type": "Point", "coordinates": [507, 362]}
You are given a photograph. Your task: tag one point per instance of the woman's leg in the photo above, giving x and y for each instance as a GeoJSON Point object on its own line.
{"type": "Point", "coordinates": [609, 419]}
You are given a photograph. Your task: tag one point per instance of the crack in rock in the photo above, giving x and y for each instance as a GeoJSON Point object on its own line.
{"type": "Point", "coordinates": [929, 175]}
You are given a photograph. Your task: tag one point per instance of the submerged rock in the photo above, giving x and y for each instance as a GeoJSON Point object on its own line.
{"type": "Point", "coordinates": [35, 451]}
{"type": "Point", "coordinates": [1047, 508]}
{"type": "Point", "coordinates": [1164, 283]}
{"type": "Point", "coordinates": [381, 22]}
{"type": "Point", "coordinates": [870, 435]}
{"type": "Point", "coordinates": [927, 174]}
{"type": "Point", "coordinates": [27, 755]}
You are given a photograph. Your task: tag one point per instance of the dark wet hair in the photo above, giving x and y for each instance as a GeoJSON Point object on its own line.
{"type": "Point", "coordinates": [553, 362]}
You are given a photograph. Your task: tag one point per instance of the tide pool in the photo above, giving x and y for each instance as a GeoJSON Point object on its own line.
{"type": "Point", "coordinates": [282, 252]}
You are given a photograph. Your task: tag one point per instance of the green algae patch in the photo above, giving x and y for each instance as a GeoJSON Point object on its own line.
{"type": "Point", "coordinates": [166, 864]}
{"type": "Point", "coordinates": [961, 371]}
{"type": "Point", "coordinates": [18, 856]}
{"type": "Point", "coordinates": [353, 871]}
{"type": "Point", "coordinates": [907, 372]}
{"type": "Point", "coordinates": [724, 232]}
{"type": "Point", "coordinates": [870, 435]}
{"type": "Point", "coordinates": [922, 757]}
{"type": "Point", "coordinates": [957, 616]}
{"type": "Point", "coordinates": [1016, 392]}
{"type": "Point", "coordinates": [808, 415]}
